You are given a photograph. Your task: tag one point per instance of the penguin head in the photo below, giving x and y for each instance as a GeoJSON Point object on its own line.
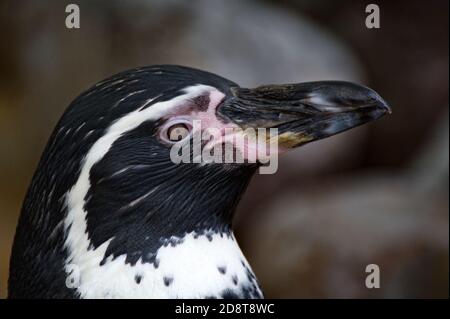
{"type": "Point", "coordinates": [131, 188]}
{"type": "Point", "coordinates": [139, 160]}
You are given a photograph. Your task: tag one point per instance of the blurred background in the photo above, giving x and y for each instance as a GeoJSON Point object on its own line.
{"type": "Point", "coordinates": [376, 194]}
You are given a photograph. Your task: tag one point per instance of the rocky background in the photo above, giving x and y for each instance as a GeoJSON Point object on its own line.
{"type": "Point", "coordinates": [377, 194]}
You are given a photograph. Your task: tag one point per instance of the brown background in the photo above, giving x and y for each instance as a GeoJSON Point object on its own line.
{"type": "Point", "coordinates": [377, 194]}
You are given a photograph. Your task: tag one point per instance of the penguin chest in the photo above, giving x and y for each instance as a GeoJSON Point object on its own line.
{"type": "Point", "coordinates": [197, 266]}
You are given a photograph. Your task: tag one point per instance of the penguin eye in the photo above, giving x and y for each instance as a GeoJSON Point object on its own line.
{"type": "Point", "coordinates": [177, 132]}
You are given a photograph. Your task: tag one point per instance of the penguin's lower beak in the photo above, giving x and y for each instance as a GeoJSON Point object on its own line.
{"type": "Point", "coordinates": [303, 112]}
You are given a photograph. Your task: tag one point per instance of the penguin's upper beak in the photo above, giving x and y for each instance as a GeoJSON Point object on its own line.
{"type": "Point", "coordinates": [303, 112]}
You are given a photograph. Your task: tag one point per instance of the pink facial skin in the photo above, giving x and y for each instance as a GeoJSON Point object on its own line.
{"type": "Point", "coordinates": [219, 132]}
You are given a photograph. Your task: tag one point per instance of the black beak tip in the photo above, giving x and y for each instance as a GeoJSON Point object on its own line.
{"type": "Point", "coordinates": [381, 103]}
{"type": "Point", "coordinates": [386, 106]}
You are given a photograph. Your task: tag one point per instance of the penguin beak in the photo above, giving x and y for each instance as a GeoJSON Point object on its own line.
{"type": "Point", "coordinates": [303, 112]}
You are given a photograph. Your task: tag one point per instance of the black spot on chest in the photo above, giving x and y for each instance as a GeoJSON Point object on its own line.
{"type": "Point", "coordinates": [222, 269]}
{"type": "Point", "coordinates": [167, 281]}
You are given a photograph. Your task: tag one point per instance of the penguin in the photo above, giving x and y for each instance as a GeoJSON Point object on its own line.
{"type": "Point", "coordinates": [109, 213]}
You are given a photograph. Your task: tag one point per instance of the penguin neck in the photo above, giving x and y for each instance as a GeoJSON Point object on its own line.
{"type": "Point", "coordinates": [184, 248]}
{"type": "Point", "coordinates": [136, 225]}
